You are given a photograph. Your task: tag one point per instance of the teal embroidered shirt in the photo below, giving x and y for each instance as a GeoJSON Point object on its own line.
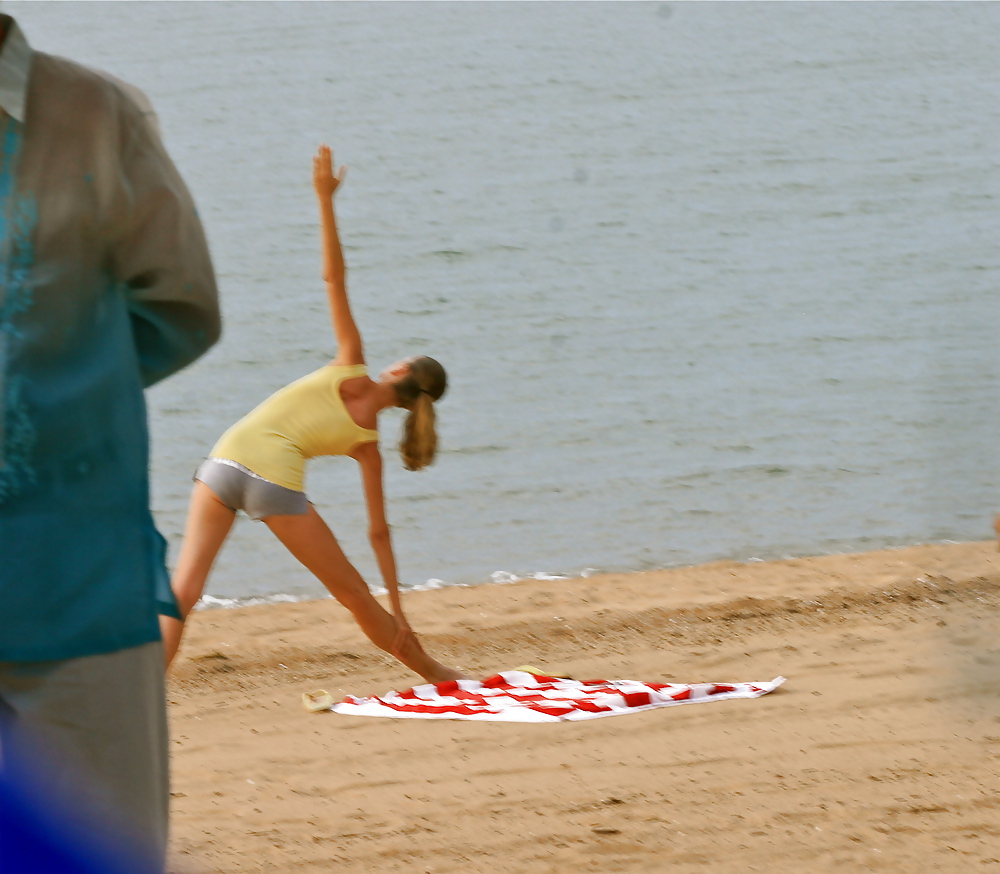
{"type": "Point", "coordinates": [106, 286]}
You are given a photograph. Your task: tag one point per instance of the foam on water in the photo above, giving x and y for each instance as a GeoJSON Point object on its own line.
{"type": "Point", "coordinates": [210, 602]}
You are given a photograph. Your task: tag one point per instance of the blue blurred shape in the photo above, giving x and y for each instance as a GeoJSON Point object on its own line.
{"type": "Point", "coordinates": [35, 840]}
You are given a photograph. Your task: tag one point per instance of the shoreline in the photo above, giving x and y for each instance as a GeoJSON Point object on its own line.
{"type": "Point", "coordinates": [505, 578]}
{"type": "Point", "coordinates": [872, 751]}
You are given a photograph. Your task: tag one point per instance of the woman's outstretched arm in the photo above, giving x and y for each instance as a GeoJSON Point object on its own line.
{"type": "Point", "coordinates": [370, 460]}
{"type": "Point", "coordinates": [326, 182]}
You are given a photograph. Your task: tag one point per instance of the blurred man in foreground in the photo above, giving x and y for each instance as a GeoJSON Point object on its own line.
{"type": "Point", "coordinates": [106, 287]}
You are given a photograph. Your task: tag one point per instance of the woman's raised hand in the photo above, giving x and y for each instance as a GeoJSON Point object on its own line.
{"type": "Point", "coordinates": [324, 179]}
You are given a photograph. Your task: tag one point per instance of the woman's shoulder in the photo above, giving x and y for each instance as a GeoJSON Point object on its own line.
{"type": "Point", "coordinates": [341, 377]}
{"type": "Point", "coordinates": [353, 369]}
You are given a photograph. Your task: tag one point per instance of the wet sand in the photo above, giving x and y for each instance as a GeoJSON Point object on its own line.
{"type": "Point", "coordinates": [880, 753]}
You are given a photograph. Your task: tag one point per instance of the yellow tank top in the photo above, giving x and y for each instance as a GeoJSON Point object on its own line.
{"type": "Point", "coordinates": [302, 420]}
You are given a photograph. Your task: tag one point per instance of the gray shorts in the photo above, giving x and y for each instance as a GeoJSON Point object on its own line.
{"type": "Point", "coordinates": [242, 489]}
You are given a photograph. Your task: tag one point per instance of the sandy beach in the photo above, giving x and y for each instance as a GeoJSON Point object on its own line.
{"type": "Point", "coordinates": [880, 753]}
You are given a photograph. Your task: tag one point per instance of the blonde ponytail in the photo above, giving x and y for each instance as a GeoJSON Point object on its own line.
{"type": "Point", "coordinates": [425, 383]}
{"type": "Point", "coordinates": [419, 443]}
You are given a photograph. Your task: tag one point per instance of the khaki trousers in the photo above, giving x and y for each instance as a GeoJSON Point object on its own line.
{"type": "Point", "coordinates": [89, 737]}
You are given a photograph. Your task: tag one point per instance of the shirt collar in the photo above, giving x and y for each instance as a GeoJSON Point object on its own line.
{"type": "Point", "coordinates": [15, 64]}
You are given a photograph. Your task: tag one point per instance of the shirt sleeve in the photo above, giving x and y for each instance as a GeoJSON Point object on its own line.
{"type": "Point", "coordinates": [159, 254]}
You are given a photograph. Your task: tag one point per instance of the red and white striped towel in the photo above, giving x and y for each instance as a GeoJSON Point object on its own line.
{"type": "Point", "coordinates": [518, 696]}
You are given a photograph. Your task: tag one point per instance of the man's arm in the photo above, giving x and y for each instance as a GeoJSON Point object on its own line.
{"type": "Point", "coordinates": [160, 255]}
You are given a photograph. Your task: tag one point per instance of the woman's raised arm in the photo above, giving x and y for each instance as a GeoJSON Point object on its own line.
{"type": "Point", "coordinates": [349, 347]}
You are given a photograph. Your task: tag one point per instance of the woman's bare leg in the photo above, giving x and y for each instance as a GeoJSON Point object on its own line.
{"type": "Point", "coordinates": [311, 541]}
{"type": "Point", "coordinates": [208, 524]}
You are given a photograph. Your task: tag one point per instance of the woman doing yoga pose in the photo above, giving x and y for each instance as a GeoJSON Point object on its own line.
{"type": "Point", "coordinates": [258, 465]}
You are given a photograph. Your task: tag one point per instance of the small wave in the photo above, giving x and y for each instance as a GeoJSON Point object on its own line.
{"type": "Point", "coordinates": [503, 577]}
{"type": "Point", "coordinates": [210, 602]}
{"type": "Point", "coordinates": [432, 584]}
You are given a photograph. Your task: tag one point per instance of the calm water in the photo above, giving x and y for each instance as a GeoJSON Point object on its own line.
{"type": "Point", "coordinates": [710, 280]}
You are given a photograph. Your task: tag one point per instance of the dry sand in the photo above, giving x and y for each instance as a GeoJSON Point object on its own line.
{"type": "Point", "coordinates": [880, 753]}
